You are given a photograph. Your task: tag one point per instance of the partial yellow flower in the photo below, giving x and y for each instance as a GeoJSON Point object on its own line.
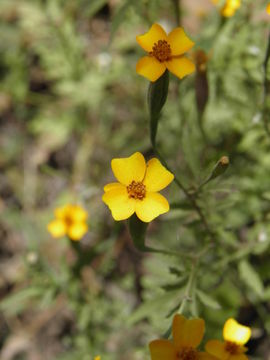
{"type": "Point", "coordinates": [69, 220]}
{"type": "Point", "coordinates": [137, 189]}
{"type": "Point", "coordinates": [164, 52]}
{"type": "Point", "coordinates": [187, 335]}
{"type": "Point", "coordinates": [97, 358]}
{"type": "Point", "coordinates": [230, 7]}
{"type": "Point", "coordinates": [235, 336]}
{"type": "Point", "coordinates": [268, 8]}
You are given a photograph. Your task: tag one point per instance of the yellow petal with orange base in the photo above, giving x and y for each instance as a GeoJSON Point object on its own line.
{"type": "Point", "coordinates": [112, 186]}
{"type": "Point", "coordinates": [205, 356]}
{"type": "Point", "coordinates": [129, 169]}
{"type": "Point", "coordinates": [235, 332]}
{"type": "Point", "coordinates": [77, 230]}
{"type": "Point", "coordinates": [187, 333]}
{"type": "Point", "coordinates": [153, 205]}
{"type": "Point", "coordinates": [157, 177]}
{"type": "Point", "coordinates": [62, 211]}
{"type": "Point", "coordinates": [57, 228]}
{"type": "Point", "coordinates": [268, 8]}
{"type": "Point", "coordinates": [121, 206]}
{"type": "Point", "coordinates": [180, 67]}
{"type": "Point", "coordinates": [238, 357]}
{"type": "Point", "coordinates": [179, 41]}
{"type": "Point", "coordinates": [162, 349]}
{"type": "Point", "coordinates": [150, 68]}
{"type": "Point", "coordinates": [77, 213]}
{"type": "Point", "coordinates": [147, 40]}
{"type": "Point", "coordinates": [217, 349]}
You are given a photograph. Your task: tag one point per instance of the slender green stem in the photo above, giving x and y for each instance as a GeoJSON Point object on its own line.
{"type": "Point", "coordinates": [188, 290]}
{"type": "Point", "coordinates": [186, 296]}
{"type": "Point", "coordinates": [190, 197]}
{"type": "Point", "coordinates": [167, 252]}
{"type": "Point", "coordinates": [177, 11]}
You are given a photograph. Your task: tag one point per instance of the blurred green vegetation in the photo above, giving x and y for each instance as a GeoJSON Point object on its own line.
{"type": "Point", "coordinates": [70, 101]}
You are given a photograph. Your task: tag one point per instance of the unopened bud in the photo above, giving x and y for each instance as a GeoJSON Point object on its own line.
{"type": "Point", "coordinates": [219, 169]}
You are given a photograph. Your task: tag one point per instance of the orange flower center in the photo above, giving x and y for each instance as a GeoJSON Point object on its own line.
{"type": "Point", "coordinates": [136, 190]}
{"type": "Point", "coordinates": [161, 51]}
{"type": "Point", "coordinates": [231, 347]}
{"type": "Point", "coordinates": [68, 220]}
{"type": "Point", "coordinates": [187, 353]}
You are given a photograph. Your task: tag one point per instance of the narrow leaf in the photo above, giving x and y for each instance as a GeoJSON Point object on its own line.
{"type": "Point", "coordinates": [250, 277]}
{"type": "Point", "coordinates": [207, 300]}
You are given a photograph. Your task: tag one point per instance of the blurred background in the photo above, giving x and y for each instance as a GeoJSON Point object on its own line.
{"type": "Point", "coordinates": [70, 101]}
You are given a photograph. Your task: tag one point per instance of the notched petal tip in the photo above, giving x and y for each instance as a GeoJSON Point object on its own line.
{"type": "Point", "coordinates": [179, 41]}
{"type": "Point", "coordinates": [129, 169]}
{"type": "Point", "coordinates": [147, 40]}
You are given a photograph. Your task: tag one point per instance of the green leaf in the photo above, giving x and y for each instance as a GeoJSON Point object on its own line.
{"type": "Point", "coordinates": [207, 300]}
{"type": "Point", "coordinates": [157, 96]}
{"type": "Point", "coordinates": [250, 277]}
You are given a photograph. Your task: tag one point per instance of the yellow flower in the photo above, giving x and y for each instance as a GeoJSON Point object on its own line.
{"type": "Point", "coordinates": [164, 52]}
{"type": "Point", "coordinates": [97, 358]}
{"type": "Point", "coordinates": [268, 8]}
{"type": "Point", "coordinates": [230, 7]}
{"type": "Point", "coordinates": [137, 189]}
{"type": "Point", "coordinates": [235, 336]}
{"type": "Point", "coordinates": [187, 335]}
{"type": "Point", "coordinates": [69, 220]}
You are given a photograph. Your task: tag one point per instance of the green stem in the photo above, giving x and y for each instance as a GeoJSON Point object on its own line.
{"type": "Point", "coordinates": [186, 296]}
{"type": "Point", "coordinates": [177, 11]}
{"type": "Point", "coordinates": [188, 290]}
{"type": "Point", "coordinates": [190, 197]}
{"type": "Point", "coordinates": [167, 252]}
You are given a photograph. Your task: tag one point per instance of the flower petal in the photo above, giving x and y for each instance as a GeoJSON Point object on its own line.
{"type": "Point", "coordinates": [128, 169]}
{"type": "Point", "coordinates": [121, 206]}
{"type": "Point", "coordinates": [235, 332]}
{"type": "Point", "coordinates": [77, 213]}
{"type": "Point", "coordinates": [77, 230]}
{"type": "Point", "coordinates": [112, 186]}
{"type": "Point", "coordinates": [217, 348]}
{"type": "Point", "coordinates": [157, 177]}
{"type": "Point", "coordinates": [150, 68]}
{"type": "Point", "coordinates": [153, 205]}
{"type": "Point", "coordinates": [179, 41]}
{"type": "Point", "coordinates": [62, 211]}
{"type": "Point", "coordinates": [180, 66]}
{"type": "Point", "coordinates": [147, 40]}
{"type": "Point", "coordinates": [205, 356]}
{"type": "Point", "coordinates": [162, 349]}
{"type": "Point", "coordinates": [187, 333]}
{"type": "Point", "coordinates": [57, 228]}
{"type": "Point", "coordinates": [238, 357]}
